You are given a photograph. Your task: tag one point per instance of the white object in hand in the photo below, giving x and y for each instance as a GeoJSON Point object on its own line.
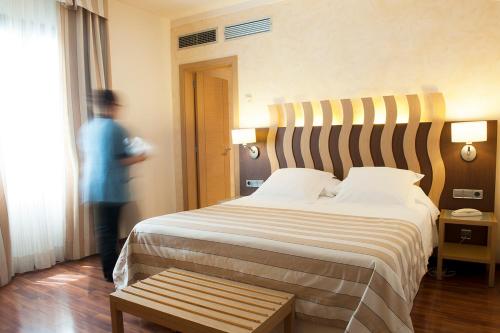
{"type": "Point", "coordinates": [137, 146]}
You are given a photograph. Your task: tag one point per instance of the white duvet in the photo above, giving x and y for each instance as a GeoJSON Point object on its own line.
{"type": "Point", "coordinates": [422, 216]}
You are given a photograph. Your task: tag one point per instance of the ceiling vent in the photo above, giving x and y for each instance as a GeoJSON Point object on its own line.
{"type": "Point", "coordinates": [247, 28]}
{"type": "Point", "coordinates": [198, 38]}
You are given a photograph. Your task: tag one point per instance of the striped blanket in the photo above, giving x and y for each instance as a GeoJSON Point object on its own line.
{"type": "Point", "coordinates": [359, 274]}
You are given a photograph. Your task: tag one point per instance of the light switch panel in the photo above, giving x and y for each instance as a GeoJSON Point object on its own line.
{"type": "Point", "coordinates": [464, 193]}
{"type": "Point", "coordinates": [254, 182]}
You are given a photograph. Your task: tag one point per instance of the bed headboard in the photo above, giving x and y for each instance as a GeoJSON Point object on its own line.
{"type": "Point", "coordinates": [396, 131]}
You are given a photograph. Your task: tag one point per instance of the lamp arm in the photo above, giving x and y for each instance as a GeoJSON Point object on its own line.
{"type": "Point", "coordinates": [253, 151]}
{"type": "Point", "coordinates": [468, 152]}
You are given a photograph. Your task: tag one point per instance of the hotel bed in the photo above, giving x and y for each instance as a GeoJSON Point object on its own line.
{"type": "Point", "coordinates": [353, 266]}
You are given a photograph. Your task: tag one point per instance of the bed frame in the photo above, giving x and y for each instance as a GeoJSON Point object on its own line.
{"type": "Point", "coordinates": [407, 132]}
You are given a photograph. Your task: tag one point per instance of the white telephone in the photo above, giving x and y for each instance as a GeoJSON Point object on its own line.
{"type": "Point", "coordinates": [466, 212]}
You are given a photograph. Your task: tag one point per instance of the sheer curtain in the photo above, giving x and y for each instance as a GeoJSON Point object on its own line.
{"type": "Point", "coordinates": [32, 160]}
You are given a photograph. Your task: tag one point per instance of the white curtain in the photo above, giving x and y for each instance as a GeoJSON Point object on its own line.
{"type": "Point", "coordinates": [32, 138]}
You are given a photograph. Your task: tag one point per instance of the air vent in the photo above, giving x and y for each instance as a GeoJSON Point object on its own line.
{"type": "Point", "coordinates": [247, 28]}
{"type": "Point", "coordinates": [198, 38]}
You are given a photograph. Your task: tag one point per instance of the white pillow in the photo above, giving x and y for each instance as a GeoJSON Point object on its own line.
{"type": "Point", "coordinates": [332, 188]}
{"type": "Point", "coordinates": [422, 198]}
{"type": "Point", "coordinates": [379, 185]}
{"type": "Point", "coordinates": [294, 184]}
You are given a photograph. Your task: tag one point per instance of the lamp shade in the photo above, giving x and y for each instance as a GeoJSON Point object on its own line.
{"type": "Point", "coordinates": [243, 135]}
{"type": "Point", "coordinates": [468, 132]}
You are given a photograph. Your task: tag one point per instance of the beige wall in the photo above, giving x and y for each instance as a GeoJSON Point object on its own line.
{"type": "Point", "coordinates": [140, 62]}
{"type": "Point", "coordinates": [338, 48]}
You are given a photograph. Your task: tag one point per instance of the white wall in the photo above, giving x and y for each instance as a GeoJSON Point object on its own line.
{"type": "Point", "coordinates": [339, 48]}
{"type": "Point", "coordinates": [141, 74]}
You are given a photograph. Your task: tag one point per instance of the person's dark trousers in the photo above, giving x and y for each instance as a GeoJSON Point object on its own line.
{"type": "Point", "coordinates": [106, 218]}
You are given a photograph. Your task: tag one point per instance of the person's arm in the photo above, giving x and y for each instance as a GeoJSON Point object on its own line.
{"type": "Point", "coordinates": [121, 150]}
{"type": "Point", "coordinates": [127, 161]}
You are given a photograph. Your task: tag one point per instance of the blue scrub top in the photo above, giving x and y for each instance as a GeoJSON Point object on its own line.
{"type": "Point", "coordinates": [104, 179]}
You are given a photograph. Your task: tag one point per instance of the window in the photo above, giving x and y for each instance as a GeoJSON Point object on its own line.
{"type": "Point", "coordinates": [32, 142]}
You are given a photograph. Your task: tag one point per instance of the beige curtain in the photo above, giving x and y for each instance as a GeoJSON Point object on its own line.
{"type": "Point", "coordinates": [98, 7]}
{"type": "Point", "coordinates": [84, 40]}
{"type": "Point", "coordinates": [5, 262]}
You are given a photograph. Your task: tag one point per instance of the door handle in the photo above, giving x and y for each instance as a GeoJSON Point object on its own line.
{"type": "Point", "coordinates": [226, 150]}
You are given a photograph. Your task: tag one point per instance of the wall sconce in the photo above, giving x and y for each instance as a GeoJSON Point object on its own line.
{"type": "Point", "coordinates": [243, 136]}
{"type": "Point", "coordinates": [469, 132]}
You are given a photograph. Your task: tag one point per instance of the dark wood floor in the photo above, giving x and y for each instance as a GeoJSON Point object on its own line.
{"type": "Point", "coordinates": [70, 297]}
{"type": "Point", "coordinates": [73, 297]}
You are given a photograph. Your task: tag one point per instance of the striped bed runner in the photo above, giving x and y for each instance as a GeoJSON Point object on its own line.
{"type": "Point", "coordinates": [355, 273]}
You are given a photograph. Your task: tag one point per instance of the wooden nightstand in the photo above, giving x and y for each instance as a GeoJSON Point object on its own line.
{"type": "Point", "coordinates": [467, 252]}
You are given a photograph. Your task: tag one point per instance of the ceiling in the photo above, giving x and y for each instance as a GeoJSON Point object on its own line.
{"type": "Point", "coordinates": [175, 9]}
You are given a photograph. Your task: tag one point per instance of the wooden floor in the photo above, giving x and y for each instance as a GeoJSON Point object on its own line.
{"type": "Point", "coordinates": [73, 297]}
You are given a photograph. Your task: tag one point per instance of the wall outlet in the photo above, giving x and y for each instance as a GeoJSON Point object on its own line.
{"type": "Point", "coordinates": [465, 234]}
{"type": "Point", "coordinates": [464, 193]}
{"type": "Point", "coordinates": [254, 182]}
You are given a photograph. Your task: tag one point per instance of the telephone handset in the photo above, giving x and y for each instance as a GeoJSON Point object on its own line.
{"type": "Point", "coordinates": [466, 212]}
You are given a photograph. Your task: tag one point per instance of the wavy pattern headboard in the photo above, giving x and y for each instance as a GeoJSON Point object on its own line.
{"type": "Point", "coordinates": [395, 131]}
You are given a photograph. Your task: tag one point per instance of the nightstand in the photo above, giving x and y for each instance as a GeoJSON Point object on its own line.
{"type": "Point", "coordinates": [467, 252]}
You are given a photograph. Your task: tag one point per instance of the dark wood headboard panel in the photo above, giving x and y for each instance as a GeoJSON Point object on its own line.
{"type": "Point", "coordinates": [254, 169]}
{"type": "Point", "coordinates": [479, 174]}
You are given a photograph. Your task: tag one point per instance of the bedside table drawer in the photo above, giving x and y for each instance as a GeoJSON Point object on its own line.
{"type": "Point", "coordinates": [479, 234]}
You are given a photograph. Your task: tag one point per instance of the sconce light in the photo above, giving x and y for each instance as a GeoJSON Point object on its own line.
{"type": "Point", "coordinates": [243, 136]}
{"type": "Point", "coordinates": [469, 132]}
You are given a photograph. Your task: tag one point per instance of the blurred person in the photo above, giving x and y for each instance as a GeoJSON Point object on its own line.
{"type": "Point", "coordinates": [105, 178]}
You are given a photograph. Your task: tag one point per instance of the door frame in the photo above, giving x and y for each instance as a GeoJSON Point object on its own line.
{"type": "Point", "coordinates": [188, 126]}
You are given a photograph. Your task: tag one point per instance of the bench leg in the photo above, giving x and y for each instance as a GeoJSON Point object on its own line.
{"type": "Point", "coordinates": [116, 319]}
{"type": "Point", "coordinates": [288, 323]}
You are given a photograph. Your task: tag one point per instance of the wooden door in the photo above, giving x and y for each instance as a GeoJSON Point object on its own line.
{"type": "Point", "coordinates": [213, 145]}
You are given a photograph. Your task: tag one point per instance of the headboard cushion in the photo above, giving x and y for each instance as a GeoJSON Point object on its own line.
{"type": "Point", "coordinates": [342, 146]}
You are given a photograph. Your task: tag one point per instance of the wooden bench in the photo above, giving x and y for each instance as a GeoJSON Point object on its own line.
{"type": "Point", "coordinates": [191, 302]}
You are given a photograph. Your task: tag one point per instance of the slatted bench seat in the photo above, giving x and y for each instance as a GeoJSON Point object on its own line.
{"type": "Point", "coordinates": [195, 303]}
